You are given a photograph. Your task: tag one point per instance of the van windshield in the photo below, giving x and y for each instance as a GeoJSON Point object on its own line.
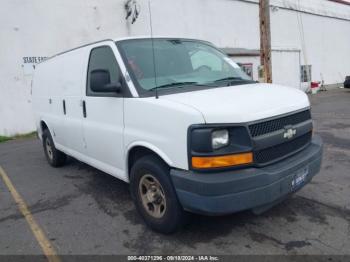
{"type": "Point", "coordinates": [179, 64]}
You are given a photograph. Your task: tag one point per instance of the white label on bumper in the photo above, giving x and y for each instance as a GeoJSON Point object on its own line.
{"type": "Point", "coordinates": [299, 177]}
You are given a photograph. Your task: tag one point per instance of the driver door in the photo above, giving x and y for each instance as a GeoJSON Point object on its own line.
{"type": "Point", "coordinates": [103, 121]}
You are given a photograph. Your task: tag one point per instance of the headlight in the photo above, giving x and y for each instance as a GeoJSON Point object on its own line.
{"type": "Point", "coordinates": [219, 138]}
{"type": "Point", "coordinates": [218, 146]}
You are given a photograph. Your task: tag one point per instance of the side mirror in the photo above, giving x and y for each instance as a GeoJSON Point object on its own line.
{"type": "Point", "coordinates": [100, 81]}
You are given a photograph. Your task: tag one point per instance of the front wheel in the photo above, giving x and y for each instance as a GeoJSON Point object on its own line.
{"type": "Point", "coordinates": [154, 195]}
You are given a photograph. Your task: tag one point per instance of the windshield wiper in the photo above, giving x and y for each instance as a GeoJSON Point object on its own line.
{"type": "Point", "coordinates": [174, 84]}
{"type": "Point", "coordinates": [229, 78]}
{"type": "Point", "coordinates": [235, 80]}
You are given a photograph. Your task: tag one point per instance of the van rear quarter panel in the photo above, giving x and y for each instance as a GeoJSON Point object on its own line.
{"type": "Point", "coordinates": [41, 91]}
{"type": "Point", "coordinates": [161, 126]}
{"type": "Point", "coordinates": [57, 79]}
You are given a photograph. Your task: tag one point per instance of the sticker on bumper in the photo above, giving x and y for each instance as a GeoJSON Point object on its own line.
{"type": "Point", "coordinates": [299, 178]}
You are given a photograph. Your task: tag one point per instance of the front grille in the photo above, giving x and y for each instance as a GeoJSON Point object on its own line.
{"type": "Point", "coordinates": [269, 154]}
{"type": "Point", "coordinates": [262, 128]}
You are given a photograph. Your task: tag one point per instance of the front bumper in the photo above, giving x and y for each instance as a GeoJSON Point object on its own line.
{"type": "Point", "coordinates": [251, 188]}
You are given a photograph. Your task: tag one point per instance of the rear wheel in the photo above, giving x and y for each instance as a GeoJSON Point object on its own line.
{"type": "Point", "coordinates": [55, 157]}
{"type": "Point", "coordinates": [154, 195]}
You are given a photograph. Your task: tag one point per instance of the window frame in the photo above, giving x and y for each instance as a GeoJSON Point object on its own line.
{"type": "Point", "coordinates": [125, 92]}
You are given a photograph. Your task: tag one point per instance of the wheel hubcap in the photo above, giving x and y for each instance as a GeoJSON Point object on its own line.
{"type": "Point", "coordinates": [49, 149]}
{"type": "Point", "coordinates": [152, 196]}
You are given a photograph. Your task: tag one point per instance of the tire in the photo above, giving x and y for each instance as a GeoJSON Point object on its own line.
{"type": "Point", "coordinates": [167, 215]}
{"type": "Point", "coordinates": [55, 157]}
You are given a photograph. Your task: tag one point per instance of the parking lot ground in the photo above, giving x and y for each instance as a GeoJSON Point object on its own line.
{"type": "Point", "coordinates": [85, 211]}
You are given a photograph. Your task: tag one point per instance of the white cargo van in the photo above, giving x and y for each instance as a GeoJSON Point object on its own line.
{"type": "Point", "coordinates": [180, 122]}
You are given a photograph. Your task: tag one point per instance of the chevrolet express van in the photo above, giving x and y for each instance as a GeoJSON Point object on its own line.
{"type": "Point", "coordinates": [180, 122]}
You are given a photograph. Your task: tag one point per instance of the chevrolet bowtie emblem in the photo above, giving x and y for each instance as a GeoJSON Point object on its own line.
{"type": "Point", "coordinates": [289, 133]}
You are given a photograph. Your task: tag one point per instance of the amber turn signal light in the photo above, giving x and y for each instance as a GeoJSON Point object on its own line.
{"type": "Point", "coordinates": [222, 161]}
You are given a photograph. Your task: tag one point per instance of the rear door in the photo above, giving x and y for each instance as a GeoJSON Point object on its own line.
{"type": "Point", "coordinates": [103, 121]}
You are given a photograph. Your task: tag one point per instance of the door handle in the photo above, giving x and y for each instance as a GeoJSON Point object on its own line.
{"type": "Point", "coordinates": [84, 108]}
{"type": "Point", "coordinates": [64, 106]}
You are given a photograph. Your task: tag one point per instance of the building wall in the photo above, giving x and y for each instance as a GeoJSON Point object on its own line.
{"type": "Point", "coordinates": [286, 68]}
{"type": "Point", "coordinates": [40, 28]}
{"type": "Point", "coordinates": [323, 41]}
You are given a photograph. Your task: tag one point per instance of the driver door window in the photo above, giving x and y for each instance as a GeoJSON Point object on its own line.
{"type": "Point", "coordinates": [103, 67]}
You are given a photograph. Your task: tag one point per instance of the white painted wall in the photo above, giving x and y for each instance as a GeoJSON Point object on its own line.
{"type": "Point", "coordinates": [286, 68]}
{"type": "Point", "coordinates": [326, 42]}
{"type": "Point", "coordinates": [42, 28]}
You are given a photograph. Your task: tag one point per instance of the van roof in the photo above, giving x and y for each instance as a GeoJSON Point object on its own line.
{"type": "Point", "coordinates": [115, 40]}
{"type": "Point", "coordinates": [149, 37]}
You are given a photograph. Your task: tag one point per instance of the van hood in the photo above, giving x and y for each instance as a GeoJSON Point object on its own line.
{"type": "Point", "coordinates": [242, 103]}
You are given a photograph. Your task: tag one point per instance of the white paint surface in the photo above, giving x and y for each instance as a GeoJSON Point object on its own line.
{"type": "Point", "coordinates": [243, 103]}
{"type": "Point", "coordinates": [42, 28]}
